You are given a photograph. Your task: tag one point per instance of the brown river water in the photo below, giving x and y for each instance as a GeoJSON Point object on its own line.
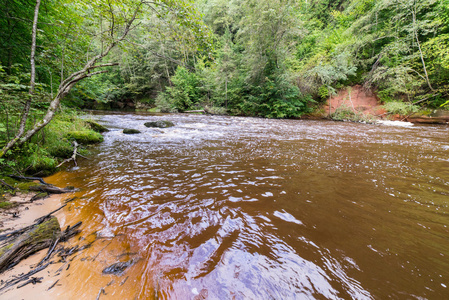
{"type": "Point", "coordinates": [246, 208]}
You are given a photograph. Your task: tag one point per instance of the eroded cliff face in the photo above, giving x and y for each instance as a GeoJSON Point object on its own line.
{"type": "Point", "coordinates": [356, 98]}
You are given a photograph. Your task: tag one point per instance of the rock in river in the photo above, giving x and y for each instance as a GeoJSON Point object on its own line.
{"type": "Point", "coordinates": [118, 268]}
{"type": "Point", "coordinates": [159, 124]}
{"type": "Point", "coordinates": [130, 131]}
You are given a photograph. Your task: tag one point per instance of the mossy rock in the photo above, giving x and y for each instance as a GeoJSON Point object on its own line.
{"type": "Point", "coordinates": [131, 131]}
{"type": "Point", "coordinates": [85, 137]}
{"type": "Point", "coordinates": [96, 127]}
{"type": "Point", "coordinates": [159, 124]}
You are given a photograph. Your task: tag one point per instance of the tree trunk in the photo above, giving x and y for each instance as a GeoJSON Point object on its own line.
{"type": "Point", "coordinates": [415, 31]}
{"type": "Point", "coordinates": [68, 84]}
{"type": "Point", "coordinates": [26, 109]}
{"type": "Point", "coordinates": [33, 48]}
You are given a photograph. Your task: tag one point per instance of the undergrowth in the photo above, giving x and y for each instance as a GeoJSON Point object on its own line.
{"type": "Point", "coordinates": [41, 156]}
{"type": "Point", "coordinates": [400, 108]}
{"type": "Point", "coordinates": [345, 113]}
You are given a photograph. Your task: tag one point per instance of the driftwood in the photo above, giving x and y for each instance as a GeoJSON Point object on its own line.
{"type": "Point", "coordinates": [8, 186]}
{"type": "Point", "coordinates": [102, 291]}
{"type": "Point", "coordinates": [195, 111]}
{"type": "Point", "coordinates": [21, 243]}
{"type": "Point", "coordinates": [38, 237]}
{"type": "Point", "coordinates": [23, 277]}
{"type": "Point", "coordinates": [73, 157]}
{"type": "Point", "coordinates": [51, 189]}
{"type": "Point", "coordinates": [28, 178]}
{"type": "Point", "coordinates": [118, 268]}
{"type": "Point", "coordinates": [53, 285]}
{"type": "Point", "coordinates": [33, 280]}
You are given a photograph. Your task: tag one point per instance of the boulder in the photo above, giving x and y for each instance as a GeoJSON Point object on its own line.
{"type": "Point", "coordinates": [96, 127]}
{"type": "Point", "coordinates": [131, 131]}
{"type": "Point", "coordinates": [159, 124]}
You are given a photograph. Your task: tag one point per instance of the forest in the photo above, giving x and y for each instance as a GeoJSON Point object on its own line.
{"type": "Point", "coordinates": [273, 59]}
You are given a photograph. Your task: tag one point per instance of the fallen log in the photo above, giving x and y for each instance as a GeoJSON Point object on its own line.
{"type": "Point", "coordinates": [23, 277]}
{"type": "Point", "coordinates": [8, 186]}
{"type": "Point", "coordinates": [35, 238]}
{"type": "Point", "coordinates": [195, 111]}
{"type": "Point", "coordinates": [28, 178]}
{"type": "Point", "coordinates": [51, 189]}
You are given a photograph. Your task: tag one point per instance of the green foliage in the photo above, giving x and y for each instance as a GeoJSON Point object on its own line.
{"type": "Point", "coordinates": [184, 93]}
{"type": "Point", "coordinates": [275, 98]}
{"type": "Point", "coordinates": [323, 92]}
{"type": "Point", "coordinates": [39, 160]}
{"type": "Point", "coordinates": [164, 103]}
{"type": "Point", "coordinates": [345, 113]}
{"type": "Point", "coordinates": [400, 108]}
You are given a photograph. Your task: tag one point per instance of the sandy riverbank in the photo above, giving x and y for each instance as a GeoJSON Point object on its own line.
{"type": "Point", "coordinates": [21, 216]}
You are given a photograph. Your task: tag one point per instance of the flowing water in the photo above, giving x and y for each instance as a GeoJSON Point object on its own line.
{"type": "Point", "coordinates": [245, 208]}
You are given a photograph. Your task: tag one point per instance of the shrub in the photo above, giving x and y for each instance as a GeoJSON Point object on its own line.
{"type": "Point", "coordinates": [400, 108]}
{"type": "Point", "coordinates": [164, 104]}
{"type": "Point", "coordinates": [345, 113]}
{"type": "Point", "coordinates": [39, 161]}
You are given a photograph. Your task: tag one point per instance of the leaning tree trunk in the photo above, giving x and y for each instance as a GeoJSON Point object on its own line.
{"type": "Point", "coordinates": [68, 84]}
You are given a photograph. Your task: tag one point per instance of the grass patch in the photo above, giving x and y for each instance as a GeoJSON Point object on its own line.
{"type": "Point", "coordinates": [7, 205]}
{"type": "Point", "coordinates": [400, 108]}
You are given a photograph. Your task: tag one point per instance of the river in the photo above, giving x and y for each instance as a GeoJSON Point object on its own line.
{"type": "Point", "coordinates": [246, 208]}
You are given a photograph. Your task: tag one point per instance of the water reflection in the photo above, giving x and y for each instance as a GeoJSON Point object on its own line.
{"type": "Point", "coordinates": [242, 208]}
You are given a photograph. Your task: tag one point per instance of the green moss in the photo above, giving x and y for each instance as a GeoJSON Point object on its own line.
{"type": "Point", "coordinates": [3, 250]}
{"type": "Point", "coordinates": [48, 147]}
{"type": "Point", "coordinates": [25, 186]}
{"type": "Point", "coordinates": [96, 127]}
{"type": "Point", "coordinates": [46, 230]}
{"type": "Point", "coordinates": [7, 205]}
{"type": "Point", "coordinates": [41, 195]}
{"type": "Point", "coordinates": [85, 137]}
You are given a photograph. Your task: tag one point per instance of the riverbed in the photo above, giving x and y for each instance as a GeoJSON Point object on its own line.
{"type": "Point", "coordinates": [246, 208]}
